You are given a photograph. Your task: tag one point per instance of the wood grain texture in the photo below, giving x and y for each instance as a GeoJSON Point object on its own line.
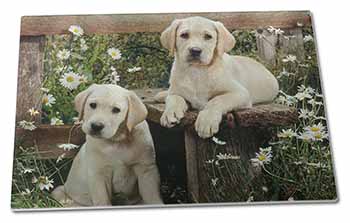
{"type": "Point", "coordinates": [235, 175]}
{"type": "Point", "coordinates": [46, 139]}
{"type": "Point", "coordinates": [30, 74]}
{"type": "Point", "coordinates": [126, 23]}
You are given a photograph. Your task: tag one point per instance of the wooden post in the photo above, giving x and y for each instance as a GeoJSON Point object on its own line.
{"type": "Point", "coordinates": [30, 74]}
{"type": "Point", "coordinates": [293, 42]}
{"type": "Point", "coordinates": [266, 45]}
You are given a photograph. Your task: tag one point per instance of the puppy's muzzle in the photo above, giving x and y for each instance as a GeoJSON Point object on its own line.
{"type": "Point", "coordinates": [195, 52]}
{"type": "Point", "coordinates": [96, 127]}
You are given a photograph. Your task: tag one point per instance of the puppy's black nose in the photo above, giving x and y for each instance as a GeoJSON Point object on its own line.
{"type": "Point", "coordinates": [195, 51]}
{"type": "Point", "coordinates": [97, 126]}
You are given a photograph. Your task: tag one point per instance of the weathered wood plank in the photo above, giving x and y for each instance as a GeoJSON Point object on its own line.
{"type": "Point", "coordinates": [126, 23]}
{"type": "Point", "coordinates": [30, 74]}
{"type": "Point", "coordinates": [292, 42]}
{"type": "Point", "coordinates": [191, 165]}
{"type": "Point", "coordinates": [46, 139]}
{"type": "Point", "coordinates": [266, 45]}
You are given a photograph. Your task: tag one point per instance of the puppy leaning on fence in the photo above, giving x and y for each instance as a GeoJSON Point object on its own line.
{"type": "Point", "coordinates": [118, 155]}
{"type": "Point", "coordinates": [207, 78]}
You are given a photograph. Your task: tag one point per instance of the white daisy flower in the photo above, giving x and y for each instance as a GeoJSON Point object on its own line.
{"type": "Point", "coordinates": [70, 80]}
{"type": "Point", "coordinates": [61, 157]}
{"type": "Point", "coordinates": [289, 58]}
{"type": "Point", "coordinates": [83, 45]}
{"type": "Point", "coordinates": [214, 181]}
{"type": "Point", "coordinates": [27, 170]}
{"type": "Point", "coordinates": [45, 90]}
{"type": "Point", "coordinates": [305, 136]}
{"type": "Point", "coordinates": [302, 95]}
{"type": "Point", "coordinates": [226, 156]}
{"type": "Point", "coordinates": [76, 30]}
{"type": "Point", "coordinates": [67, 146]}
{"type": "Point", "coordinates": [265, 189]}
{"type": "Point", "coordinates": [313, 102]}
{"type": "Point", "coordinates": [210, 161]}
{"type": "Point", "coordinates": [263, 157]}
{"type": "Point", "coordinates": [26, 125]}
{"type": "Point", "coordinates": [63, 54]}
{"type": "Point", "coordinates": [308, 38]}
{"type": "Point", "coordinates": [319, 136]}
{"type": "Point", "coordinates": [305, 113]}
{"type": "Point", "coordinates": [48, 100]}
{"type": "Point", "coordinates": [289, 133]}
{"type": "Point", "coordinates": [33, 112]}
{"type": "Point", "coordinates": [44, 182]}
{"type": "Point", "coordinates": [83, 79]}
{"type": "Point", "coordinates": [134, 69]}
{"type": "Point", "coordinates": [275, 31]}
{"type": "Point", "coordinates": [26, 192]}
{"type": "Point", "coordinates": [56, 121]}
{"type": "Point", "coordinates": [218, 141]}
{"type": "Point", "coordinates": [315, 128]}
{"type": "Point", "coordinates": [114, 53]}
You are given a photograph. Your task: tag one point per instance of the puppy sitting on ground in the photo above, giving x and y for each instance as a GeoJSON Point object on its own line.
{"type": "Point", "coordinates": [118, 156]}
{"type": "Point", "coordinates": [204, 75]}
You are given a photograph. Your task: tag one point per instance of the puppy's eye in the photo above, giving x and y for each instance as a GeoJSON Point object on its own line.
{"type": "Point", "coordinates": [116, 110]}
{"type": "Point", "coordinates": [184, 35]}
{"type": "Point", "coordinates": [207, 37]}
{"type": "Point", "coordinates": [93, 105]}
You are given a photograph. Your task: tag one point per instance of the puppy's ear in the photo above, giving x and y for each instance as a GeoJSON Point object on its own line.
{"type": "Point", "coordinates": [137, 111]}
{"type": "Point", "coordinates": [80, 100]}
{"type": "Point", "coordinates": [168, 36]}
{"type": "Point", "coordinates": [225, 40]}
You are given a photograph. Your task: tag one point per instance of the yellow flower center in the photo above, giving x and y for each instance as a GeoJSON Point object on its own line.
{"type": "Point", "coordinates": [114, 54]}
{"type": "Point", "coordinates": [75, 30]}
{"type": "Point", "coordinates": [70, 79]}
{"type": "Point", "coordinates": [261, 157]}
{"type": "Point", "coordinates": [318, 136]}
{"type": "Point", "coordinates": [45, 100]}
{"type": "Point", "coordinates": [315, 129]}
{"type": "Point", "coordinates": [42, 179]}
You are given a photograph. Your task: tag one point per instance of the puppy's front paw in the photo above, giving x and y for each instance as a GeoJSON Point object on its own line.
{"type": "Point", "coordinates": [171, 117]}
{"type": "Point", "coordinates": [207, 123]}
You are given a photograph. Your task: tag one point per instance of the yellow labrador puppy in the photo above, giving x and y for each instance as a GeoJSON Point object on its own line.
{"type": "Point", "coordinates": [204, 75]}
{"type": "Point", "coordinates": [118, 155]}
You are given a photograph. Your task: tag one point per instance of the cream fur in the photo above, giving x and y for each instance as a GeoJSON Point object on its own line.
{"type": "Point", "coordinates": [216, 83]}
{"type": "Point", "coordinates": [120, 159]}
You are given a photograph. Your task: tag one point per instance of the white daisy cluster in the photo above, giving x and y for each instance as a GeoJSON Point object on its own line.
{"type": "Point", "coordinates": [27, 125]}
{"type": "Point", "coordinates": [63, 54]}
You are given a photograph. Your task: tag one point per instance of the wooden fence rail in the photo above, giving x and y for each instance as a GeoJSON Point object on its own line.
{"type": "Point", "coordinates": [109, 24]}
